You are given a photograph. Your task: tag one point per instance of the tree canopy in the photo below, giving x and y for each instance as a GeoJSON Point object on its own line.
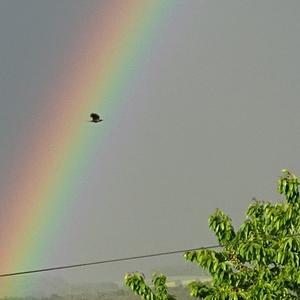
{"type": "Point", "coordinates": [260, 260]}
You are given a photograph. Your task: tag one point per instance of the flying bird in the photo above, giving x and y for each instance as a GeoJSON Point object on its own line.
{"type": "Point", "coordinates": [95, 118]}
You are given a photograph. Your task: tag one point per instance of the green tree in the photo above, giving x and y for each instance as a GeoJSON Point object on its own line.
{"type": "Point", "coordinates": [258, 261]}
{"type": "Point", "coordinates": [136, 282]}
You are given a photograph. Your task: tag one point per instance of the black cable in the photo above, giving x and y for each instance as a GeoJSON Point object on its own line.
{"type": "Point", "coordinates": [117, 260]}
{"type": "Point", "coordinates": [105, 261]}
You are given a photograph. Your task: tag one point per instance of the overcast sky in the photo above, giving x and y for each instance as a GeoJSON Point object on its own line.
{"type": "Point", "coordinates": [213, 118]}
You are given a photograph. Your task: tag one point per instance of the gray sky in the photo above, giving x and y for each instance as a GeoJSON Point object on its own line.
{"type": "Point", "coordinates": [213, 119]}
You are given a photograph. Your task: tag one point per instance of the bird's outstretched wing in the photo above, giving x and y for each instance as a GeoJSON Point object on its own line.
{"type": "Point", "coordinates": [94, 116]}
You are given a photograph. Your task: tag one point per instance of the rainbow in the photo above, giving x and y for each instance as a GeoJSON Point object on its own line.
{"type": "Point", "coordinates": [108, 54]}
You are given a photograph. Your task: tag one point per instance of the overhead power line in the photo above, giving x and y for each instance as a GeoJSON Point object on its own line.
{"type": "Point", "coordinates": [121, 259]}
{"type": "Point", "coordinates": [104, 261]}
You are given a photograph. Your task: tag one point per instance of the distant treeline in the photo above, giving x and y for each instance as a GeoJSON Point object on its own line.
{"type": "Point", "coordinates": [119, 294]}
